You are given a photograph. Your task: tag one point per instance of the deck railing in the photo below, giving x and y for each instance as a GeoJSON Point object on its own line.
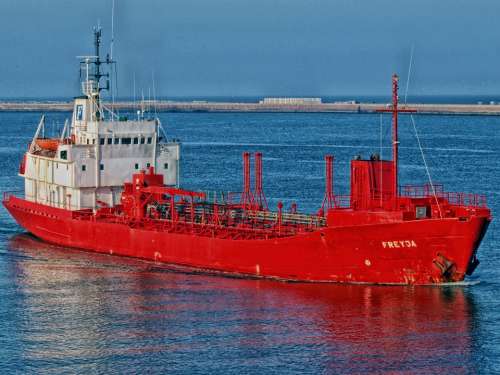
{"type": "Point", "coordinates": [454, 198]}
{"type": "Point", "coordinates": [424, 191]}
{"type": "Point", "coordinates": [342, 201]}
{"type": "Point", "coordinates": [421, 191]}
{"type": "Point", "coordinates": [8, 194]}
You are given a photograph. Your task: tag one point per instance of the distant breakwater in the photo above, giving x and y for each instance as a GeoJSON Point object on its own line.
{"type": "Point", "coordinates": [197, 106]}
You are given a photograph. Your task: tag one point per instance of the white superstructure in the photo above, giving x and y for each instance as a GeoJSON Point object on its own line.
{"type": "Point", "coordinates": [87, 166]}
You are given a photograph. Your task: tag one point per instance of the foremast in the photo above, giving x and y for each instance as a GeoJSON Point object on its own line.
{"type": "Point", "coordinates": [395, 110]}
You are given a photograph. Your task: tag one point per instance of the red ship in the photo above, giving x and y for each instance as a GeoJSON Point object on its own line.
{"type": "Point", "coordinates": [109, 185]}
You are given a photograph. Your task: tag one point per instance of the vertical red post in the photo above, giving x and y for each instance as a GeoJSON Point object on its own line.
{"type": "Point", "coordinates": [395, 141]}
{"type": "Point", "coordinates": [246, 196]}
{"type": "Point", "coordinates": [192, 210]}
{"type": "Point", "coordinates": [329, 199]}
{"type": "Point", "coordinates": [280, 216]}
{"type": "Point", "coordinates": [216, 211]}
{"type": "Point", "coordinates": [173, 212]}
{"type": "Point", "coordinates": [260, 198]}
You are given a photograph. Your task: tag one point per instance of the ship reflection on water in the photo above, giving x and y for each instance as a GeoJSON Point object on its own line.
{"type": "Point", "coordinates": [87, 312]}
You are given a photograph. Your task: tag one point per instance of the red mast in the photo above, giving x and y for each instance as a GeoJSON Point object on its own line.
{"type": "Point", "coordinates": [395, 142]}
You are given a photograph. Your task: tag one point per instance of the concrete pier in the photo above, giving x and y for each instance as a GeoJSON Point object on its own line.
{"type": "Point", "coordinates": [202, 106]}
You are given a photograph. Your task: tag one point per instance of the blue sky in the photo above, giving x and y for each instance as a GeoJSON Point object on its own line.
{"type": "Point", "coordinates": [255, 47]}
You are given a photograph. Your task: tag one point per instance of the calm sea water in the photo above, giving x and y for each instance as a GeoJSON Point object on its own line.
{"type": "Point", "coordinates": [66, 311]}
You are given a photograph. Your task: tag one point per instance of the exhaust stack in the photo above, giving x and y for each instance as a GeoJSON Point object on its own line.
{"type": "Point", "coordinates": [260, 198]}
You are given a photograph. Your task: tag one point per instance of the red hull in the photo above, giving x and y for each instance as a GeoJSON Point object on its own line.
{"type": "Point", "coordinates": [406, 252]}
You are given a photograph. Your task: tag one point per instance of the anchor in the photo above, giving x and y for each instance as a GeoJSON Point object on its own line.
{"type": "Point", "coordinates": [447, 267]}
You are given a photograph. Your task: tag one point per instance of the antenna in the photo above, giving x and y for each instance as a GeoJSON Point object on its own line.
{"type": "Point", "coordinates": [97, 61]}
{"type": "Point", "coordinates": [134, 105]}
{"type": "Point", "coordinates": [92, 84]}
{"type": "Point", "coordinates": [112, 29]}
{"type": "Point", "coordinates": [142, 105]}
{"type": "Point", "coordinates": [409, 72]}
{"type": "Point", "coordinates": [110, 58]}
{"type": "Point", "coordinates": [149, 101]}
{"type": "Point", "coordinates": [154, 91]}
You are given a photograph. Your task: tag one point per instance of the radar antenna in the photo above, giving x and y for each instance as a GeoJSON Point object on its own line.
{"type": "Point", "coordinates": [91, 86]}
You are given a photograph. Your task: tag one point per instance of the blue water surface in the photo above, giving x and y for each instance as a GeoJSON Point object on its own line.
{"type": "Point", "coordinates": [67, 311]}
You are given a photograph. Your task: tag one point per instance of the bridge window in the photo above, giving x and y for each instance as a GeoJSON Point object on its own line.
{"type": "Point", "coordinates": [126, 141]}
{"type": "Point", "coordinates": [101, 167]}
{"type": "Point", "coordinates": [84, 168]}
{"type": "Point", "coordinates": [116, 141]}
{"type": "Point", "coordinates": [143, 140]}
{"type": "Point", "coordinates": [79, 112]}
{"type": "Point", "coordinates": [165, 166]}
{"type": "Point", "coordinates": [136, 141]}
{"type": "Point", "coordinates": [110, 140]}
{"type": "Point", "coordinates": [136, 165]}
{"type": "Point", "coordinates": [149, 140]}
{"type": "Point", "coordinates": [63, 155]}
{"type": "Point", "coordinates": [102, 140]}
{"type": "Point", "coordinates": [148, 165]}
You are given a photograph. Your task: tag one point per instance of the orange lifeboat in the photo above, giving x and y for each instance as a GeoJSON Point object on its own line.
{"type": "Point", "coordinates": [48, 143]}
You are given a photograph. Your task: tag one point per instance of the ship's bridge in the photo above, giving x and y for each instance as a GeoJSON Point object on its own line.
{"type": "Point", "coordinates": [97, 152]}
